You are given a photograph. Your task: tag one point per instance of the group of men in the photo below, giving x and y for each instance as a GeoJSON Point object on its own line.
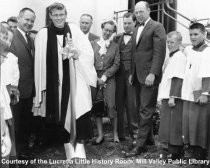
{"type": "Point", "coordinates": [142, 53]}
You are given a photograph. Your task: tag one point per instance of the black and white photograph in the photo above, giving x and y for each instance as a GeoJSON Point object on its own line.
{"type": "Point", "coordinates": [115, 83]}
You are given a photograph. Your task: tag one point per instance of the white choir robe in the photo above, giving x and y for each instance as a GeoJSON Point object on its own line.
{"type": "Point", "coordinates": [84, 68]}
{"type": "Point", "coordinates": [9, 76]}
{"type": "Point", "coordinates": [10, 70]}
{"type": "Point", "coordinates": [197, 68]}
{"type": "Point", "coordinates": [195, 116]}
{"type": "Point", "coordinates": [173, 67]}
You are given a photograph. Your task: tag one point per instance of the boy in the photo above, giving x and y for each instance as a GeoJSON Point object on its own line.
{"type": "Point", "coordinates": [195, 93]}
{"type": "Point", "coordinates": [169, 95]}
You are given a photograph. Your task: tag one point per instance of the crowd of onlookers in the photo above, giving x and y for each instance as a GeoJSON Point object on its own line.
{"type": "Point", "coordinates": [63, 77]}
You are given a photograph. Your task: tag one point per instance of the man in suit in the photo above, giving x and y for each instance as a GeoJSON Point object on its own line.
{"type": "Point", "coordinates": [22, 46]}
{"type": "Point", "coordinates": [86, 21]}
{"type": "Point", "coordinates": [125, 93]}
{"type": "Point", "coordinates": [148, 53]}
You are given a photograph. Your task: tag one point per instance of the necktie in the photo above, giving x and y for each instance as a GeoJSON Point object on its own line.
{"type": "Point", "coordinates": [172, 53]}
{"type": "Point", "coordinates": [141, 24]}
{"type": "Point", "coordinates": [29, 42]}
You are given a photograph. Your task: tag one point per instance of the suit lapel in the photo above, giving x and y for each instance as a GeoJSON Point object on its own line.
{"type": "Point", "coordinates": [134, 35]}
{"type": "Point", "coordinates": [21, 38]}
{"type": "Point", "coordinates": [120, 41]}
{"type": "Point", "coordinates": [146, 28]}
{"type": "Point", "coordinates": [90, 37]}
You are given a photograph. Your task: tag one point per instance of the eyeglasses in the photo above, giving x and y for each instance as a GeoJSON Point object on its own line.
{"type": "Point", "coordinates": [59, 15]}
{"type": "Point", "coordinates": [107, 30]}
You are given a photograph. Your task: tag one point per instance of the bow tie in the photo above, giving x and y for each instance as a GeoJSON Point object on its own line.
{"type": "Point", "coordinates": [127, 34]}
{"type": "Point", "coordinates": [141, 24]}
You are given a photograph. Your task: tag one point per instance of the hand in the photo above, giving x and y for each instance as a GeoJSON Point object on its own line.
{"type": "Point", "coordinates": [14, 94]}
{"type": "Point", "coordinates": [203, 99]}
{"type": "Point", "coordinates": [130, 79]}
{"type": "Point", "coordinates": [171, 102]}
{"type": "Point", "coordinates": [159, 103]}
{"type": "Point", "coordinates": [150, 80]}
{"type": "Point", "coordinates": [101, 83]}
{"type": "Point", "coordinates": [74, 54]}
{"type": "Point", "coordinates": [69, 51]}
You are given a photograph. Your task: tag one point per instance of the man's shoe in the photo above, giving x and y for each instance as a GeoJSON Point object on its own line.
{"type": "Point", "coordinates": [136, 151]}
{"type": "Point", "coordinates": [94, 143]}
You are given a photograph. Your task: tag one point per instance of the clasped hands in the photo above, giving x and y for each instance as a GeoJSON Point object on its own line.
{"type": "Point", "coordinates": [101, 83]}
{"type": "Point", "coordinates": [69, 51]}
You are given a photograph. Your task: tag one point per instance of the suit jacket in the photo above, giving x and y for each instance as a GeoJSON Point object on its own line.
{"type": "Point", "coordinates": [92, 37]}
{"type": "Point", "coordinates": [19, 47]}
{"type": "Point", "coordinates": [107, 64]}
{"type": "Point", "coordinates": [125, 51]}
{"type": "Point", "coordinates": [149, 53]}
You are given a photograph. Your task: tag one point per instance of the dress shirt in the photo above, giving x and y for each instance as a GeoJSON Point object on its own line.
{"type": "Point", "coordinates": [87, 35]}
{"type": "Point", "coordinates": [23, 34]}
{"type": "Point", "coordinates": [126, 38]}
{"type": "Point", "coordinates": [140, 29]}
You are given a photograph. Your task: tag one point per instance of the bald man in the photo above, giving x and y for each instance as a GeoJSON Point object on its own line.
{"type": "Point", "coordinates": [86, 21]}
{"type": "Point", "coordinates": [148, 53]}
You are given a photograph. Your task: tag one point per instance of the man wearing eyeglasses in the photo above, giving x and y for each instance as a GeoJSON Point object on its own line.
{"type": "Point", "coordinates": [64, 72]}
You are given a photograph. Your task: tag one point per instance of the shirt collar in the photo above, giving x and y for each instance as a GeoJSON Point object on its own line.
{"type": "Point", "coordinates": [173, 52]}
{"type": "Point", "coordinates": [22, 32]}
{"type": "Point", "coordinates": [200, 47]}
{"type": "Point", "coordinates": [146, 21]}
{"type": "Point", "coordinates": [87, 34]}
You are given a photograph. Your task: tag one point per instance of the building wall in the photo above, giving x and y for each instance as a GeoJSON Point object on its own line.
{"type": "Point", "coordinates": [99, 9]}
{"type": "Point", "coordinates": [199, 9]}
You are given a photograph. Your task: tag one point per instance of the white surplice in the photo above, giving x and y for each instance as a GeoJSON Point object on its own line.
{"type": "Point", "coordinates": [9, 76]}
{"type": "Point", "coordinates": [85, 72]}
{"type": "Point", "coordinates": [174, 67]}
{"type": "Point", "coordinates": [197, 67]}
{"type": "Point", "coordinates": [10, 70]}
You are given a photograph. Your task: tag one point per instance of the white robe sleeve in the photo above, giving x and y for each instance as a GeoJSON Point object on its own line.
{"type": "Point", "coordinates": [15, 70]}
{"type": "Point", "coordinates": [40, 65]}
{"type": "Point", "coordinates": [177, 65]}
{"type": "Point", "coordinates": [85, 64]}
{"type": "Point", "coordinates": [204, 70]}
{"type": "Point", "coordinates": [85, 72]}
{"type": "Point", "coordinates": [10, 70]}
